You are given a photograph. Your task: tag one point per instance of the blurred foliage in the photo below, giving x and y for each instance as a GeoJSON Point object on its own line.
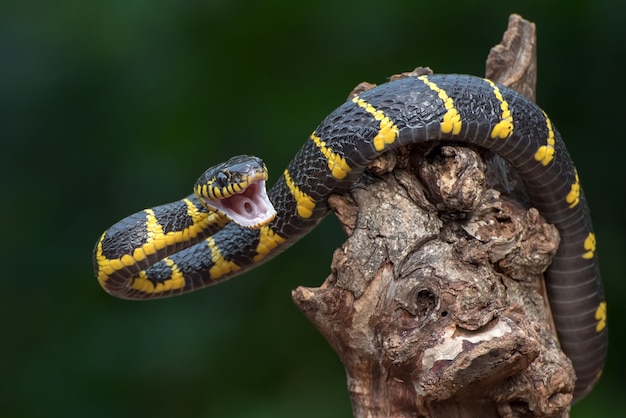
{"type": "Point", "coordinates": [109, 107]}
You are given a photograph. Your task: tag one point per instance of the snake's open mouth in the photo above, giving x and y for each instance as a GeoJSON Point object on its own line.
{"type": "Point", "coordinates": [250, 208]}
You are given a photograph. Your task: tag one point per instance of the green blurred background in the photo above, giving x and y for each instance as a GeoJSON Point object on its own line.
{"type": "Point", "coordinates": [109, 107]}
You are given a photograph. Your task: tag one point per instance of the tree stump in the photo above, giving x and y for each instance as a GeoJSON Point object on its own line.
{"type": "Point", "coordinates": [435, 303]}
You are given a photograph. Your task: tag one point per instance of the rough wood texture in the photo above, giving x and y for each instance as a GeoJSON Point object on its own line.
{"type": "Point", "coordinates": [435, 302]}
{"type": "Point", "coordinates": [513, 62]}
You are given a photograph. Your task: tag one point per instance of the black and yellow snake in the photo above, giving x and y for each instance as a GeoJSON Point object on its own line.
{"type": "Point", "coordinates": [183, 246]}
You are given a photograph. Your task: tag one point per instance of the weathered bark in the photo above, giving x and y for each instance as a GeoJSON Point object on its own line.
{"type": "Point", "coordinates": [435, 303]}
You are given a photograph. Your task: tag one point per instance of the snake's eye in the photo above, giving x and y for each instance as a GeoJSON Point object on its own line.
{"type": "Point", "coordinates": [221, 179]}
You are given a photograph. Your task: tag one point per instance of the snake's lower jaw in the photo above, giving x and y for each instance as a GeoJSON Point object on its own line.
{"type": "Point", "coordinates": [251, 208]}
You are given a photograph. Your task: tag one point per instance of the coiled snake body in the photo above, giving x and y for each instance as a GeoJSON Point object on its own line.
{"type": "Point", "coordinates": [185, 245]}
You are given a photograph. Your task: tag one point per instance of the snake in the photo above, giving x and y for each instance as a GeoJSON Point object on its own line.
{"type": "Point", "coordinates": [230, 224]}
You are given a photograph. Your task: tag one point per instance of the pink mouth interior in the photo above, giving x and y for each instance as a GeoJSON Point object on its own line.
{"type": "Point", "coordinates": [251, 208]}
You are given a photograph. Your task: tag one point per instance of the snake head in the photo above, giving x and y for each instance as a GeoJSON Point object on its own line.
{"type": "Point", "coordinates": [236, 189]}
